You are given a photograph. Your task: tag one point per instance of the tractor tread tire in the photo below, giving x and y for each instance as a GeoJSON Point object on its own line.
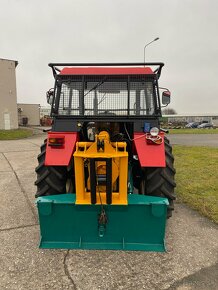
{"type": "Point", "coordinates": [160, 181]}
{"type": "Point", "coordinates": [51, 180]}
{"type": "Point", "coordinates": [39, 167]}
{"type": "Point", "coordinates": [42, 177]}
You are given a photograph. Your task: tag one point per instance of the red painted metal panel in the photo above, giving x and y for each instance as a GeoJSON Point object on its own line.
{"type": "Point", "coordinates": [62, 155]}
{"type": "Point", "coordinates": [150, 155]}
{"type": "Point", "coordinates": [106, 71]}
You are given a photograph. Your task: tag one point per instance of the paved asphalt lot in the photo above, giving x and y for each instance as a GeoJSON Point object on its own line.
{"type": "Point", "coordinates": [190, 263]}
{"type": "Point", "coordinates": [194, 139]}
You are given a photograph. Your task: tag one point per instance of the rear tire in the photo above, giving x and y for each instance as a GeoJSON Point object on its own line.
{"type": "Point", "coordinates": [51, 180]}
{"type": "Point", "coordinates": [160, 181]}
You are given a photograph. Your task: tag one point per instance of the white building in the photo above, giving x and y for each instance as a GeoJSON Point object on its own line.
{"type": "Point", "coordinates": [29, 114]}
{"type": "Point", "coordinates": [8, 94]}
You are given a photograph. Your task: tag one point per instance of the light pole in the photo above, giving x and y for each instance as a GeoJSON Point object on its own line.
{"type": "Point", "coordinates": [149, 44]}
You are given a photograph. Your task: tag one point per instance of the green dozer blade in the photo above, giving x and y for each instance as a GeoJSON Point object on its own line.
{"type": "Point", "coordinates": [140, 225]}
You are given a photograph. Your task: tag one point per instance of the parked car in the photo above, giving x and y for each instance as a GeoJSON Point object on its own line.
{"type": "Point", "coordinates": [205, 125]}
{"type": "Point", "coordinates": [192, 125]}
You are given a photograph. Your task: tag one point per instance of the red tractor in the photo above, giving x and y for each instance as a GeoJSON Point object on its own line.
{"type": "Point", "coordinates": [105, 158]}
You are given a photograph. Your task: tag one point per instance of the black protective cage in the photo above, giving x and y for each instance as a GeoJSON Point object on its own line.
{"type": "Point", "coordinates": [82, 111]}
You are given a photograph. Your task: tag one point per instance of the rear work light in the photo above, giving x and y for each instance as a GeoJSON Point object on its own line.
{"type": "Point", "coordinates": [154, 131]}
{"type": "Point", "coordinates": [56, 141]}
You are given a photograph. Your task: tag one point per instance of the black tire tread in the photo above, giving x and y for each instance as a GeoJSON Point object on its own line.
{"type": "Point", "coordinates": [50, 180]}
{"type": "Point", "coordinates": [160, 181]}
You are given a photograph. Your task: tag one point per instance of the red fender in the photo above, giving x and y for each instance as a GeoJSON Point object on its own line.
{"type": "Point", "coordinates": [150, 155]}
{"type": "Point", "coordinates": [56, 156]}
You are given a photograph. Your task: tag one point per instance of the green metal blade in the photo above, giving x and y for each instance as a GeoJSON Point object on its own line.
{"type": "Point", "coordinates": [138, 226]}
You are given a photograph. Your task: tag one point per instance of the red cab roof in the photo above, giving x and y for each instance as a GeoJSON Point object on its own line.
{"type": "Point", "coordinates": [106, 71]}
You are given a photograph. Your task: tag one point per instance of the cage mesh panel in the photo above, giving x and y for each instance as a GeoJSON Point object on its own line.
{"type": "Point", "coordinates": [104, 96]}
{"type": "Point", "coordinates": [71, 93]}
{"type": "Point", "coordinates": [141, 96]}
{"type": "Point", "coordinates": [156, 98]}
{"type": "Point", "coordinates": [108, 95]}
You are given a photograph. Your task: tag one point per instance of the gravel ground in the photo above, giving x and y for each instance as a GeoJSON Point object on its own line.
{"type": "Point", "coordinates": [191, 261]}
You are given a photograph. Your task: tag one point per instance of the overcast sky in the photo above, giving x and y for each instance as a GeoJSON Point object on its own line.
{"type": "Point", "coordinates": [38, 32]}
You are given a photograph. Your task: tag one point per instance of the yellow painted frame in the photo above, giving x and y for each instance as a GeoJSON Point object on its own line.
{"type": "Point", "coordinates": [87, 150]}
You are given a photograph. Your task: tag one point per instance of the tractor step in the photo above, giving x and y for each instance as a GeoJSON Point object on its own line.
{"type": "Point", "coordinates": [140, 225]}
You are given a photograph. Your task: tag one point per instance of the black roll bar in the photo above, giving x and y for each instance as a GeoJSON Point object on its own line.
{"type": "Point", "coordinates": [66, 64]}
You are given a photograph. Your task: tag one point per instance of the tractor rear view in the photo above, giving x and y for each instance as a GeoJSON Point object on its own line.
{"type": "Point", "coordinates": [105, 178]}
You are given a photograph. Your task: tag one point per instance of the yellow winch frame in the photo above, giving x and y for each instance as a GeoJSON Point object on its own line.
{"type": "Point", "coordinates": [106, 165]}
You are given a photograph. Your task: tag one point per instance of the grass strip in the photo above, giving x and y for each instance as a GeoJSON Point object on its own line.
{"type": "Point", "coordinates": [15, 134]}
{"type": "Point", "coordinates": [197, 178]}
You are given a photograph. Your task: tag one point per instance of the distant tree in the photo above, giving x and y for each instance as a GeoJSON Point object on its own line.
{"type": "Point", "coordinates": [169, 111]}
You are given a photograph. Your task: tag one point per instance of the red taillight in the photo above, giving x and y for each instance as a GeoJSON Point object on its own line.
{"type": "Point", "coordinates": [56, 141]}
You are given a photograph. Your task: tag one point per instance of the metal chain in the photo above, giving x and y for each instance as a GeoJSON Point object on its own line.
{"type": "Point", "coordinates": [102, 219]}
